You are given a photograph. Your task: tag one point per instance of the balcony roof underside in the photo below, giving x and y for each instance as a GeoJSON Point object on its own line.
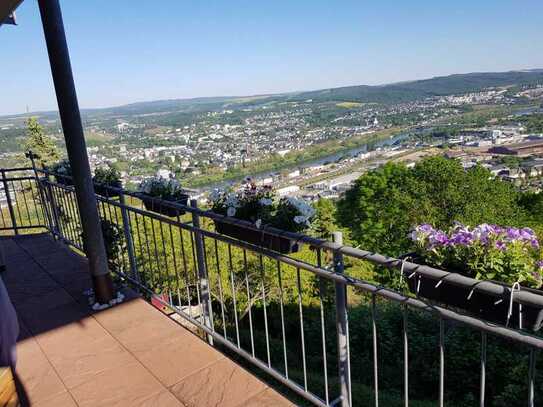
{"type": "Point", "coordinates": [7, 7]}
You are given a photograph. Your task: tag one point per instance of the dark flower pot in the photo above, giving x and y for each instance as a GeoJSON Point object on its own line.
{"type": "Point", "coordinates": [104, 191]}
{"type": "Point", "coordinates": [276, 243]}
{"type": "Point", "coordinates": [155, 205]}
{"type": "Point", "coordinates": [66, 181]}
{"type": "Point", "coordinates": [488, 307]}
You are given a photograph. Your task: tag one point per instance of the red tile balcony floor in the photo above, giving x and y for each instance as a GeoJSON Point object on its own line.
{"type": "Point", "coordinates": [128, 355]}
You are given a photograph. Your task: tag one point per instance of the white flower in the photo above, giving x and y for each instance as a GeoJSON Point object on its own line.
{"type": "Point", "coordinates": [258, 223]}
{"type": "Point", "coordinates": [300, 219]}
{"type": "Point", "coordinates": [215, 195]}
{"type": "Point", "coordinates": [231, 211]}
{"type": "Point", "coordinates": [265, 202]}
{"type": "Point", "coordinates": [232, 201]}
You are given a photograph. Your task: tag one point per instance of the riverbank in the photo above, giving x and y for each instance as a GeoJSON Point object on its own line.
{"type": "Point", "coordinates": [328, 151]}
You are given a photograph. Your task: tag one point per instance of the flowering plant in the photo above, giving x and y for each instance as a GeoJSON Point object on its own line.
{"type": "Point", "coordinates": [260, 206]}
{"type": "Point", "coordinates": [107, 177]}
{"type": "Point", "coordinates": [63, 169]}
{"type": "Point", "coordinates": [162, 188]}
{"type": "Point", "coordinates": [486, 252]}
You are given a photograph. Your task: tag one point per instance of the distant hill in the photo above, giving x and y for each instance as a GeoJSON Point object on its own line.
{"type": "Point", "coordinates": [413, 90]}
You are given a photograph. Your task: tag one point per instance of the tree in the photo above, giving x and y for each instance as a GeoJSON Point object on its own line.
{"type": "Point", "coordinates": [324, 223]}
{"type": "Point", "coordinates": [386, 203]}
{"type": "Point", "coordinates": [44, 148]}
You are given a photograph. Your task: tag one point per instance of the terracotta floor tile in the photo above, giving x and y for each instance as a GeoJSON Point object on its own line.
{"type": "Point", "coordinates": [39, 379]}
{"type": "Point", "coordinates": [128, 385]}
{"type": "Point", "coordinates": [268, 398]}
{"type": "Point", "coordinates": [222, 384]}
{"type": "Point", "coordinates": [43, 303]}
{"type": "Point", "coordinates": [82, 361]}
{"type": "Point", "coordinates": [177, 357]}
{"type": "Point", "coordinates": [129, 314]}
{"type": "Point", "coordinates": [64, 338]}
{"type": "Point", "coordinates": [150, 333]}
{"type": "Point", "coordinates": [161, 399]}
{"type": "Point", "coordinates": [56, 318]}
{"type": "Point", "coordinates": [61, 400]}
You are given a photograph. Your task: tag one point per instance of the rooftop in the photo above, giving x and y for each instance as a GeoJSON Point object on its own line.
{"type": "Point", "coordinates": [128, 355]}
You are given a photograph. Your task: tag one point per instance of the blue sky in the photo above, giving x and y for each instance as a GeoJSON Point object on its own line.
{"type": "Point", "coordinates": [125, 51]}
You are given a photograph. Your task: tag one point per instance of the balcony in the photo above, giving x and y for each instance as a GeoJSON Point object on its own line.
{"type": "Point", "coordinates": [205, 314]}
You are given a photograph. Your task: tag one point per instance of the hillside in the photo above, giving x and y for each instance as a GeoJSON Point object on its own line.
{"type": "Point", "coordinates": [413, 90]}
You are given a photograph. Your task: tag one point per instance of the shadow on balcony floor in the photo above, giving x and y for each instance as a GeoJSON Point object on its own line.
{"type": "Point", "coordinates": [129, 355]}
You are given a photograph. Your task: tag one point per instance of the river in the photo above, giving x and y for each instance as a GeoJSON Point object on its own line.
{"type": "Point", "coordinates": [370, 146]}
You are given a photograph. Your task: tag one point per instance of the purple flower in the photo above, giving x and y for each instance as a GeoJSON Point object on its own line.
{"type": "Point", "coordinates": [500, 245]}
{"type": "Point", "coordinates": [539, 264]}
{"type": "Point", "coordinates": [438, 238]}
{"type": "Point", "coordinates": [513, 234]}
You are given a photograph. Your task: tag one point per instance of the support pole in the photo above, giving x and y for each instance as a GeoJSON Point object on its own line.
{"type": "Point", "coordinates": [342, 327]}
{"type": "Point", "coordinates": [59, 59]}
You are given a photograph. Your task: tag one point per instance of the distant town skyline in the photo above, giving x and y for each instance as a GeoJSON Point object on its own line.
{"type": "Point", "coordinates": [124, 53]}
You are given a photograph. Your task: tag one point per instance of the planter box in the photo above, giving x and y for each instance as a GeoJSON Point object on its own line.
{"type": "Point", "coordinates": [486, 306]}
{"type": "Point", "coordinates": [104, 191]}
{"type": "Point", "coordinates": [263, 239]}
{"type": "Point", "coordinates": [155, 205]}
{"type": "Point", "coordinates": [64, 181]}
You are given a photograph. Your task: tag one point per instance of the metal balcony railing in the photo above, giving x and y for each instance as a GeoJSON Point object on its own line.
{"type": "Point", "coordinates": [287, 315]}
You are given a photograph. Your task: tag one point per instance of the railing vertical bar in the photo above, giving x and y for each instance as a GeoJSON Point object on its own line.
{"type": "Point", "coordinates": [157, 258]}
{"type": "Point", "coordinates": [249, 302]}
{"type": "Point", "coordinates": [17, 205]}
{"type": "Point", "coordinates": [323, 329]}
{"type": "Point", "coordinates": [176, 269]}
{"type": "Point", "coordinates": [219, 278]}
{"type": "Point", "coordinates": [441, 362]}
{"type": "Point", "coordinates": [166, 263]}
{"type": "Point", "coordinates": [38, 208]}
{"type": "Point", "coordinates": [208, 286]}
{"type": "Point", "coordinates": [265, 310]}
{"type": "Point", "coordinates": [194, 264]}
{"type": "Point", "coordinates": [281, 307]}
{"type": "Point", "coordinates": [141, 250]}
{"type": "Point", "coordinates": [233, 293]}
{"type": "Point", "coordinates": [185, 270]}
{"type": "Point", "coordinates": [150, 261]}
{"type": "Point", "coordinates": [23, 192]}
{"type": "Point", "coordinates": [405, 358]}
{"type": "Point", "coordinates": [531, 378]}
{"type": "Point", "coordinates": [302, 336]}
{"type": "Point", "coordinates": [129, 239]}
{"type": "Point", "coordinates": [54, 209]}
{"type": "Point", "coordinates": [375, 355]}
{"type": "Point", "coordinates": [126, 267]}
{"type": "Point", "coordinates": [73, 217]}
{"type": "Point", "coordinates": [9, 203]}
{"type": "Point", "coordinates": [71, 233]}
{"type": "Point", "coordinates": [482, 391]}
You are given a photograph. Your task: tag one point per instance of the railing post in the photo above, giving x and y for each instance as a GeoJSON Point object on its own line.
{"type": "Point", "coordinates": [128, 238]}
{"type": "Point", "coordinates": [342, 326]}
{"type": "Point", "coordinates": [202, 271]}
{"type": "Point", "coordinates": [10, 204]}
